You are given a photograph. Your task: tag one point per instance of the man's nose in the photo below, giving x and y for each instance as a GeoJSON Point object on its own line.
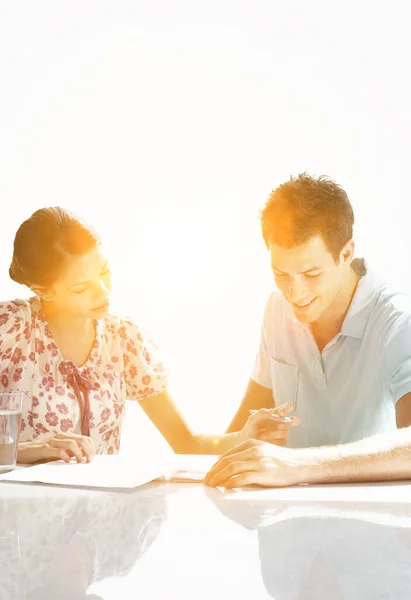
{"type": "Point", "coordinates": [296, 291]}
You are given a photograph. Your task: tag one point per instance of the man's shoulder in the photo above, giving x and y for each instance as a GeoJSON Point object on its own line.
{"type": "Point", "coordinates": [275, 308]}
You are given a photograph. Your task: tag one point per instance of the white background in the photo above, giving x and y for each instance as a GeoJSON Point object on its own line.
{"type": "Point", "coordinates": [167, 124]}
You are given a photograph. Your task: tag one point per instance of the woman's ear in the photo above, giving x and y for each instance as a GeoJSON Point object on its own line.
{"type": "Point", "coordinates": [42, 292]}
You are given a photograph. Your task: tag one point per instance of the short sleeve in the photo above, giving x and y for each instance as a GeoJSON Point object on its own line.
{"type": "Point", "coordinates": [144, 373]}
{"type": "Point", "coordinates": [261, 371]}
{"type": "Point", "coordinates": [15, 336]}
{"type": "Point", "coordinates": [396, 358]}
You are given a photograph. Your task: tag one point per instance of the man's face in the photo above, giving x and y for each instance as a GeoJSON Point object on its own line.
{"type": "Point", "coordinates": [309, 277]}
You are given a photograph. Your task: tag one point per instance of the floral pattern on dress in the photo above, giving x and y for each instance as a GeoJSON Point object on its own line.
{"type": "Point", "coordinates": [123, 364]}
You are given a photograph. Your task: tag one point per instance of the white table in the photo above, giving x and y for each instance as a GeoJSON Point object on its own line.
{"type": "Point", "coordinates": [189, 542]}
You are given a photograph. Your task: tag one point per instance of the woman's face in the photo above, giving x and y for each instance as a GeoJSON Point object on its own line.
{"type": "Point", "coordinates": [83, 289]}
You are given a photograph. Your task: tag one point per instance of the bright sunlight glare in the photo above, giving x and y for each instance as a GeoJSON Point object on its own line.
{"type": "Point", "coordinates": [166, 125]}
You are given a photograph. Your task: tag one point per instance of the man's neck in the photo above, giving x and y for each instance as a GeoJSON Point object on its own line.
{"type": "Point", "coordinates": [330, 324]}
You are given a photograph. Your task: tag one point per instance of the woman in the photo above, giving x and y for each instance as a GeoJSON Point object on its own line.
{"type": "Point", "coordinates": [76, 363]}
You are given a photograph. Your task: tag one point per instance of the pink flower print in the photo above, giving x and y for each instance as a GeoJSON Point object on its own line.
{"type": "Point", "coordinates": [32, 356]}
{"type": "Point", "coordinates": [4, 380]}
{"type": "Point", "coordinates": [51, 418]}
{"type": "Point", "coordinates": [62, 408]}
{"type": "Point", "coordinates": [133, 371]}
{"type": "Point", "coordinates": [22, 425]}
{"type": "Point", "coordinates": [30, 416]}
{"type": "Point", "coordinates": [35, 401]}
{"type": "Point", "coordinates": [66, 424]}
{"type": "Point", "coordinates": [59, 390]}
{"type": "Point", "coordinates": [107, 436]}
{"type": "Point", "coordinates": [146, 379]}
{"type": "Point", "coordinates": [105, 414]}
{"type": "Point", "coordinates": [114, 359]}
{"type": "Point", "coordinates": [7, 354]}
{"type": "Point", "coordinates": [139, 337]}
{"type": "Point", "coordinates": [17, 375]}
{"type": "Point", "coordinates": [39, 347]}
{"type": "Point", "coordinates": [27, 330]}
{"type": "Point", "coordinates": [131, 347]}
{"type": "Point", "coordinates": [122, 332]}
{"type": "Point", "coordinates": [146, 392]}
{"type": "Point", "coordinates": [52, 348]}
{"type": "Point", "coordinates": [4, 318]}
{"type": "Point", "coordinates": [47, 331]}
{"type": "Point", "coordinates": [110, 450]}
{"type": "Point", "coordinates": [39, 428]}
{"type": "Point", "coordinates": [48, 382]}
{"type": "Point", "coordinates": [146, 355]}
{"type": "Point", "coordinates": [118, 409]}
{"type": "Point", "coordinates": [103, 429]}
{"type": "Point", "coordinates": [17, 354]}
{"type": "Point", "coordinates": [126, 359]}
{"type": "Point", "coordinates": [109, 377]}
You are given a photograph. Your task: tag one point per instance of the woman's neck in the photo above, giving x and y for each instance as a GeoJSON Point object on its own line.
{"type": "Point", "coordinates": [66, 325]}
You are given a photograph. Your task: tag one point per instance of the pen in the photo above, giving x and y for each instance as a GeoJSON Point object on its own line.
{"type": "Point", "coordinates": [277, 418]}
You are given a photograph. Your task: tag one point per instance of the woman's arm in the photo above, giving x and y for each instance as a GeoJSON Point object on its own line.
{"type": "Point", "coordinates": [165, 415]}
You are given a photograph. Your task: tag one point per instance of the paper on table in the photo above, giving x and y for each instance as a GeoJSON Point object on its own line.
{"type": "Point", "coordinates": [108, 471]}
{"type": "Point", "coordinates": [191, 468]}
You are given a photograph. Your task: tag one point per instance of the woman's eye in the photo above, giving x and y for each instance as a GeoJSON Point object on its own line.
{"type": "Point", "coordinates": [312, 275]}
{"type": "Point", "coordinates": [79, 291]}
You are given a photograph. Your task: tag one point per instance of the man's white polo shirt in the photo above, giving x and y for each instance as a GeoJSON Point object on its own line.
{"type": "Point", "coordinates": [350, 389]}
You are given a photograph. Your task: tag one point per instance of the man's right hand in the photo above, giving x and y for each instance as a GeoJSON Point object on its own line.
{"type": "Point", "coordinates": [62, 446]}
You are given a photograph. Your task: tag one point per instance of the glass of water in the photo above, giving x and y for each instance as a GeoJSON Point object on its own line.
{"type": "Point", "coordinates": [11, 405]}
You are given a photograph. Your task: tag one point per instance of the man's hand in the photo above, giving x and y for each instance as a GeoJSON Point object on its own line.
{"type": "Point", "coordinates": [262, 425]}
{"type": "Point", "coordinates": [258, 463]}
{"type": "Point", "coordinates": [62, 446]}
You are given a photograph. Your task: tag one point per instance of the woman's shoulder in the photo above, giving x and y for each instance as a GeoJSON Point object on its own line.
{"type": "Point", "coordinates": [15, 310]}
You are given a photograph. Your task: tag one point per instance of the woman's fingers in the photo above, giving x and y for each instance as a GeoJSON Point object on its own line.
{"type": "Point", "coordinates": [83, 442]}
{"type": "Point", "coordinates": [70, 447]}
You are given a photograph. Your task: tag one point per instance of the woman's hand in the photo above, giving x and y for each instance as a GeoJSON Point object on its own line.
{"type": "Point", "coordinates": [262, 425]}
{"type": "Point", "coordinates": [62, 446]}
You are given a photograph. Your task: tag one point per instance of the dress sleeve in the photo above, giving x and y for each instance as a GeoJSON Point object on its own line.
{"type": "Point", "coordinates": [16, 362]}
{"type": "Point", "coordinates": [144, 372]}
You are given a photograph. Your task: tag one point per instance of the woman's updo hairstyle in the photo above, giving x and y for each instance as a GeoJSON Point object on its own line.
{"type": "Point", "coordinates": [43, 243]}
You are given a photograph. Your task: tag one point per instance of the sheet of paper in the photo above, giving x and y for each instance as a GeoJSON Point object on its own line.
{"type": "Point", "coordinates": [103, 471]}
{"type": "Point", "coordinates": [191, 468]}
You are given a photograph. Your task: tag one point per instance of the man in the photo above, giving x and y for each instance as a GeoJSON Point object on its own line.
{"type": "Point", "coordinates": [336, 342]}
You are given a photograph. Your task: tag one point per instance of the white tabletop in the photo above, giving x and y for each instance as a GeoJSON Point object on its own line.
{"type": "Point", "coordinates": [191, 542]}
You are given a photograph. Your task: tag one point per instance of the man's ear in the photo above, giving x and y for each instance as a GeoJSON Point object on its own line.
{"type": "Point", "coordinates": [347, 253]}
{"type": "Point", "coordinates": [42, 292]}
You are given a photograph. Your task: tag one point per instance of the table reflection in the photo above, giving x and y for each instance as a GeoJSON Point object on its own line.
{"type": "Point", "coordinates": [323, 551]}
{"type": "Point", "coordinates": [56, 542]}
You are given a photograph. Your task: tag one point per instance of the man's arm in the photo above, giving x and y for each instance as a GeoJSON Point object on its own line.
{"type": "Point", "coordinates": [383, 457]}
{"type": "Point", "coordinates": [256, 396]}
{"type": "Point", "coordinates": [403, 411]}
